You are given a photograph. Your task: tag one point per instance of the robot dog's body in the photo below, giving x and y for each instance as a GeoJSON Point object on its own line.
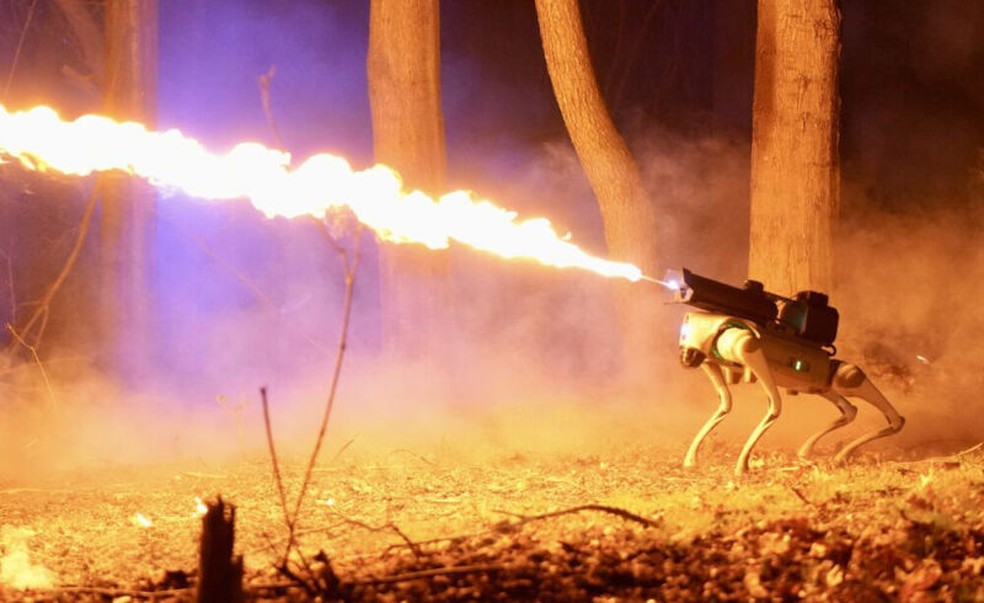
{"type": "Point", "coordinates": [748, 335]}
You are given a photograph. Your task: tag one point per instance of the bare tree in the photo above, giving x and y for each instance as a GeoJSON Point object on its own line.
{"type": "Point", "coordinates": [628, 214]}
{"type": "Point", "coordinates": [408, 134]}
{"type": "Point", "coordinates": [795, 179]}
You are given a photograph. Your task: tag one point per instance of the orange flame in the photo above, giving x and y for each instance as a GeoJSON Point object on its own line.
{"type": "Point", "coordinates": [322, 184]}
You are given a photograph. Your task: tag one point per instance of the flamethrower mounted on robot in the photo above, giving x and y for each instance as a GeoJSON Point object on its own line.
{"type": "Point", "coordinates": [751, 335]}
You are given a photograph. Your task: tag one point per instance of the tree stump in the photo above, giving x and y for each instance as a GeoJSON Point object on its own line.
{"type": "Point", "coordinates": [220, 574]}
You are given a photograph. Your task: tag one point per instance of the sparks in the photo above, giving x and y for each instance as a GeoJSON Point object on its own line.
{"type": "Point", "coordinates": [322, 184]}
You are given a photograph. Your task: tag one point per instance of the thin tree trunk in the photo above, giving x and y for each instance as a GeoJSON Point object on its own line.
{"type": "Point", "coordinates": [130, 88]}
{"type": "Point", "coordinates": [795, 179]}
{"type": "Point", "coordinates": [408, 135]}
{"type": "Point", "coordinates": [628, 215]}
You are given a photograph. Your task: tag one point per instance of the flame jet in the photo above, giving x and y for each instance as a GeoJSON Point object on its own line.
{"type": "Point", "coordinates": [322, 184]}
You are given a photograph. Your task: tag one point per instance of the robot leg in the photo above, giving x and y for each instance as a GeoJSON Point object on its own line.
{"type": "Point", "coordinates": [713, 372]}
{"type": "Point", "coordinates": [743, 347]}
{"type": "Point", "coordinates": [850, 380]}
{"type": "Point", "coordinates": [848, 412]}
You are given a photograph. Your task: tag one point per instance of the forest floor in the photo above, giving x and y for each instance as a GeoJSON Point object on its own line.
{"type": "Point", "coordinates": [622, 526]}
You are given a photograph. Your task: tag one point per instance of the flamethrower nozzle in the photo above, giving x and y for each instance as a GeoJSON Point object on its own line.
{"type": "Point", "coordinates": [670, 284]}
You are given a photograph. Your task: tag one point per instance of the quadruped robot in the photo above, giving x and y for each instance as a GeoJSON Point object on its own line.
{"type": "Point", "coordinates": [747, 335]}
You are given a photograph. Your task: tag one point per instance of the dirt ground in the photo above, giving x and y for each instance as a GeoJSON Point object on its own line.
{"type": "Point", "coordinates": [404, 525]}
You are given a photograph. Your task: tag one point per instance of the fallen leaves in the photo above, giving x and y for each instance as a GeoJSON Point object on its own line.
{"type": "Point", "coordinates": [631, 526]}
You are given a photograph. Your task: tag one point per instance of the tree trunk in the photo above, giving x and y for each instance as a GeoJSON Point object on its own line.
{"type": "Point", "coordinates": [87, 34]}
{"type": "Point", "coordinates": [408, 135]}
{"type": "Point", "coordinates": [627, 213]}
{"type": "Point", "coordinates": [125, 229]}
{"type": "Point", "coordinates": [795, 177]}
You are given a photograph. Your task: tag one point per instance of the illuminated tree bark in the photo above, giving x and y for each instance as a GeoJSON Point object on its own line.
{"type": "Point", "coordinates": [127, 204]}
{"type": "Point", "coordinates": [87, 34]}
{"type": "Point", "coordinates": [408, 134]}
{"type": "Point", "coordinates": [627, 212]}
{"type": "Point", "coordinates": [107, 312]}
{"type": "Point", "coordinates": [795, 179]}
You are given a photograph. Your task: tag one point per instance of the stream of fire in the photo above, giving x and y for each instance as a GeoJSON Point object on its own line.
{"type": "Point", "coordinates": [41, 140]}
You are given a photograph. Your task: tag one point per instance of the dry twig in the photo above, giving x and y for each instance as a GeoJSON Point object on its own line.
{"type": "Point", "coordinates": [313, 585]}
{"type": "Point", "coordinates": [955, 457]}
{"type": "Point", "coordinates": [350, 261]}
{"type": "Point", "coordinates": [41, 312]}
{"type": "Point", "coordinates": [277, 477]}
{"type": "Point", "coordinates": [388, 526]}
{"type": "Point", "coordinates": [351, 265]}
{"type": "Point", "coordinates": [20, 46]}
{"type": "Point", "coordinates": [37, 360]}
{"type": "Point", "coordinates": [310, 589]}
{"type": "Point", "coordinates": [523, 519]}
{"type": "Point", "coordinates": [263, 83]}
{"type": "Point", "coordinates": [415, 455]}
{"type": "Point", "coordinates": [799, 494]}
{"type": "Point", "coordinates": [342, 450]}
{"type": "Point", "coordinates": [10, 285]}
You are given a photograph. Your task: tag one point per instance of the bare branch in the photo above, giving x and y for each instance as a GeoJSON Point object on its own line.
{"type": "Point", "coordinates": [350, 269]}
{"type": "Point", "coordinates": [20, 45]}
{"type": "Point", "coordinates": [951, 458]}
{"type": "Point", "coordinates": [278, 478]}
{"type": "Point", "coordinates": [350, 261]}
{"type": "Point", "coordinates": [37, 360]}
{"type": "Point", "coordinates": [10, 284]}
{"type": "Point", "coordinates": [41, 312]}
{"type": "Point", "coordinates": [799, 494]}
{"type": "Point", "coordinates": [342, 450]}
{"type": "Point", "coordinates": [391, 527]}
{"type": "Point", "coordinates": [263, 82]}
{"type": "Point", "coordinates": [592, 507]}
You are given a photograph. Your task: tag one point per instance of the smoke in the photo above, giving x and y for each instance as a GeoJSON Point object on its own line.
{"type": "Point", "coordinates": [530, 361]}
{"type": "Point", "coordinates": [701, 184]}
{"type": "Point", "coordinates": [910, 304]}
{"type": "Point", "coordinates": [16, 569]}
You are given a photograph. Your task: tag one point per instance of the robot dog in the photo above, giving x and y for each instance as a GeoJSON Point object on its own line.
{"type": "Point", "coordinates": [748, 335]}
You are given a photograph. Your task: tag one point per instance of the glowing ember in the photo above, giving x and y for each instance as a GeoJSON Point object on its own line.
{"type": "Point", "coordinates": [200, 507]}
{"type": "Point", "coordinates": [140, 520]}
{"type": "Point", "coordinates": [324, 183]}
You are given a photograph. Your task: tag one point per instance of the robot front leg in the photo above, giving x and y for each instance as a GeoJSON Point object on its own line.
{"type": "Point", "coordinates": [848, 412]}
{"type": "Point", "coordinates": [741, 346]}
{"type": "Point", "coordinates": [713, 371]}
{"type": "Point", "coordinates": [850, 380]}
